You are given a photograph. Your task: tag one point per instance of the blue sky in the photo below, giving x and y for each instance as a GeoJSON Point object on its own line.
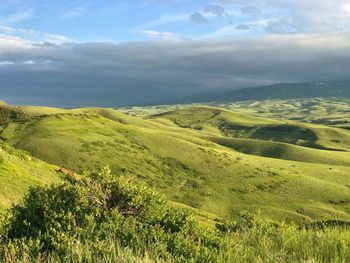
{"type": "Point", "coordinates": [99, 52]}
{"type": "Point", "coordinates": [135, 20]}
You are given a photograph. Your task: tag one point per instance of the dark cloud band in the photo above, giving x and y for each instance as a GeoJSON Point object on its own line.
{"type": "Point", "coordinates": [109, 74]}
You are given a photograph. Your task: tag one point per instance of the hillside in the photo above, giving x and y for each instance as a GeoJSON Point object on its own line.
{"type": "Point", "coordinates": [101, 217]}
{"type": "Point", "coordinates": [19, 171]}
{"type": "Point", "coordinates": [243, 126]}
{"type": "Point", "coordinates": [194, 157]}
{"type": "Point", "coordinates": [339, 89]}
{"type": "Point", "coordinates": [328, 111]}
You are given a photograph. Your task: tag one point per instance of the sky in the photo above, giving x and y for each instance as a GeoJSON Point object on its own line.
{"type": "Point", "coordinates": [116, 53]}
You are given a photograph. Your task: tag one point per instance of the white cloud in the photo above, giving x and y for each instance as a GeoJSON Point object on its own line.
{"type": "Point", "coordinates": [314, 16]}
{"type": "Point", "coordinates": [240, 30]}
{"type": "Point", "coordinates": [55, 39]}
{"type": "Point", "coordinates": [19, 16]}
{"type": "Point", "coordinates": [5, 63]}
{"type": "Point", "coordinates": [346, 8]}
{"type": "Point", "coordinates": [8, 43]}
{"type": "Point", "coordinates": [162, 35]}
{"type": "Point", "coordinates": [6, 29]}
{"type": "Point", "coordinates": [32, 36]}
{"type": "Point", "coordinates": [298, 16]}
{"type": "Point", "coordinates": [29, 62]}
{"type": "Point", "coordinates": [167, 19]}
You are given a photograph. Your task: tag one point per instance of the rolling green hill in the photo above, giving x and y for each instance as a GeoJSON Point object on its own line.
{"type": "Point", "coordinates": [284, 151]}
{"type": "Point", "coordinates": [201, 157]}
{"type": "Point", "coordinates": [327, 111]}
{"type": "Point", "coordinates": [19, 171]}
{"type": "Point", "coordinates": [240, 125]}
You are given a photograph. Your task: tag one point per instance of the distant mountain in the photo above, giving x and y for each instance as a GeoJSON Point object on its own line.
{"type": "Point", "coordinates": [279, 91]}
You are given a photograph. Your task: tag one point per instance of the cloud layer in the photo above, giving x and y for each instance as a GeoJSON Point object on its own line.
{"type": "Point", "coordinates": [297, 16]}
{"type": "Point", "coordinates": [158, 71]}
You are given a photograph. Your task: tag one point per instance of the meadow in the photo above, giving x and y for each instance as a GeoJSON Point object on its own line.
{"type": "Point", "coordinates": [260, 183]}
{"type": "Point", "coordinates": [101, 217]}
{"type": "Point", "coordinates": [327, 111]}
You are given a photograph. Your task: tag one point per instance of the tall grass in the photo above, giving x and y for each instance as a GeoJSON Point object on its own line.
{"type": "Point", "coordinates": [264, 243]}
{"type": "Point", "coordinates": [77, 253]}
{"type": "Point", "coordinates": [261, 243]}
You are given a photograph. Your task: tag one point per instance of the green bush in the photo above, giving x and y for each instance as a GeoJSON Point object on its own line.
{"type": "Point", "coordinates": [103, 218]}
{"type": "Point", "coordinates": [99, 208]}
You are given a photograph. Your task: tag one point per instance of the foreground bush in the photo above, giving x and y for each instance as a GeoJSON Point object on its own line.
{"type": "Point", "coordinates": [100, 210]}
{"type": "Point", "coordinates": [103, 218]}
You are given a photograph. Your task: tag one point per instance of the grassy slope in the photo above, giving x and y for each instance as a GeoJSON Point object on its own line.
{"type": "Point", "coordinates": [240, 125]}
{"type": "Point", "coordinates": [332, 112]}
{"type": "Point", "coordinates": [187, 166]}
{"type": "Point", "coordinates": [284, 151]}
{"type": "Point", "coordinates": [18, 171]}
{"type": "Point", "coordinates": [327, 111]}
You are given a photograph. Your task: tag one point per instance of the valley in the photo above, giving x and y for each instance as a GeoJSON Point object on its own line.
{"type": "Point", "coordinates": [212, 159]}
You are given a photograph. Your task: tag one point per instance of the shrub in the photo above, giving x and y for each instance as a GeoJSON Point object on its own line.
{"type": "Point", "coordinates": [101, 207]}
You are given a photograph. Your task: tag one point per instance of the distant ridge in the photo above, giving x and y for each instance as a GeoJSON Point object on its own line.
{"type": "Point", "coordinates": [340, 89]}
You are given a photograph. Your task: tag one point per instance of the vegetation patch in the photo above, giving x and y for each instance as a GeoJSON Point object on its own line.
{"type": "Point", "coordinates": [104, 218]}
{"type": "Point", "coordinates": [98, 208]}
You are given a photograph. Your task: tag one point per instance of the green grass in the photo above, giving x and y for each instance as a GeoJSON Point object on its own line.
{"type": "Point", "coordinates": [77, 253]}
{"type": "Point", "coordinates": [263, 243]}
{"type": "Point", "coordinates": [331, 112]}
{"type": "Point", "coordinates": [259, 244]}
{"type": "Point", "coordinates": [240, 125]}
{"type": "Point", "coordinates": [327, 111]}
{"type": "Point", "coordinates": [284, 151]}
{"type": "Point", "coordinates": [18, 172]}
{"type": "Point", "coordinates": [218, 165]}
{"type": "Point", "coordinates": [202, 157]}
{"type": "Point", "coordinates": [101, 209]}
{"type": "Point", "coordinates": [105, 218]}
